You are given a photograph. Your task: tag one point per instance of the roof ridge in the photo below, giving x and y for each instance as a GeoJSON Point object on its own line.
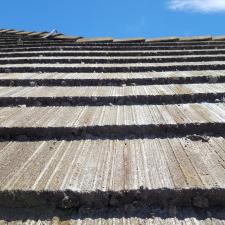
{"type": "Point", "coordinates": [55, 35]}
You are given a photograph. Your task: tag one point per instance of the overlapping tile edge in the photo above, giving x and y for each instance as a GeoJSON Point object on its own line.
{"type": "Point", "coordinates": [138, 160]}
{"type": "Point", "coordinates": [56, 36]}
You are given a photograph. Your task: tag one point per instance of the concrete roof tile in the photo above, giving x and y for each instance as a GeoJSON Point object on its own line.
{"type": "Point", "coordinates": [162, 39]}
{"type": "Point", "coordinates": [97, 39]}
{"type": "Point", "coordinates": [111, 125]}
{"type": "Point", "coordinates": [129, 40]}
{"type": "Point", "coordinates": [196, 38]}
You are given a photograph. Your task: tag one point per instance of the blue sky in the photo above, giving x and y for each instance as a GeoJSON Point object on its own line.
{"type": "Point", "coordinates": [116, 18]}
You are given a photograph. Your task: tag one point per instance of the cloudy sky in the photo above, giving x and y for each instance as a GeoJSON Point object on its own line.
{"type": "Point", "coordinates": [205, 6]}
{"type": "Point", "coordinates": [116, 18]}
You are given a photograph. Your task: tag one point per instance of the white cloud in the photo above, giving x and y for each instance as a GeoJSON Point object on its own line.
{"type": "Point", "coordinates": [198, 5]}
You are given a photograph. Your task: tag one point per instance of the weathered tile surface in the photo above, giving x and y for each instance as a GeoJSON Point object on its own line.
{"type": "Point", "coordinates": [108, 123]}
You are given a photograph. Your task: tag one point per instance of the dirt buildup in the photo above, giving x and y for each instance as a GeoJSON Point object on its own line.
{"type": "Point", "coordinates": [22, 138]}
{"type": "Point", "coordinates": [200, 202]}
{"type": "Point", "coordinates": [33, 83]}
{"type": "Point", "coordinates": [196, 137]}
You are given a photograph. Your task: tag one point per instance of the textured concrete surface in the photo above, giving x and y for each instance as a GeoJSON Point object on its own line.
{"type": "Point", "coordinates": [112, 115]}
{"type": "Point", "coordinates": [33, 41]}
{"type": "Point", "coordinates": [111, 95]}
{"type": "Point", "coordinates": [112, 47]}
{"type": "Point", "coordinates": [81, 65]}
{"type": "Point", "coordinates": [88, 40]}
{"type": "Point", "coordinates": [107, 91]}
{"type": "Point", "coordinates": [119, 76]}
{"type": "Point", "coordinates": [109, 79]}
{"type": "Point", "coordinates": [111, 133]}
{"type": "Point", "coordinates": [139, 217]}
{"type": "Point", "coordinates": [100, 166]}
{"type": "Point", "coordinates": [11, 58]}
{"type": "Point", "coordinates": [110, 61]}
{"type": "Point", "coordinates": [112, 68]}
{"type": "Point", "coordinates": [92, 165]}
{"type": "Point", "coordinates": [85, 53]}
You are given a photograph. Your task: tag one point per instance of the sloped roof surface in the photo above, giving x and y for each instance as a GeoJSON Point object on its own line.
{"type": "Point", "coordinates": [104, 123]}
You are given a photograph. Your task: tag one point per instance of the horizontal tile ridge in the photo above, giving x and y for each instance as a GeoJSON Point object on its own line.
{"type": "Point", "coordinates": [119, 132]}
{"type": "Point", "coordinates": [129, 40]}
{"type": "Point", "coordinates": [92, 81]}
{"type": "Point", "coordinates": [113, 100]}
{"type": "Point", "coordinates": [113, 69]}
{"type": "Point", "coordinates": [99, 39]}
{"type": "Point", "coordinates": [111, 60]}
{"type": "Point", "coordinates": [98, 199]}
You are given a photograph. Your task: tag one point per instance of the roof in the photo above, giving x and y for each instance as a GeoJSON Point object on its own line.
{"type": "Point", "coordinates": [108, 124]}
{"type": "Point", "coordinates": [54, 35]}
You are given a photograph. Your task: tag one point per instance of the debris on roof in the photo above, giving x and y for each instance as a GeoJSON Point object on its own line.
{"type": "Point", "coordinates": [104, 130]}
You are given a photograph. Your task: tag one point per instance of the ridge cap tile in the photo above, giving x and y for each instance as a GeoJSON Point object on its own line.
{"type": "Point", "coordinates": [196, 38]}
{"type": "Point", "coordinates": [97, 39]}
{"type": "Point", "coordinates": [138, 39]}
{"type": "Point", "coordinates": [162, 39]}
{"type": "Point", "coordinates": [81, 39]}
{"type": "Point", "coordinates": [65, 37]}
{"type": "Point", "coordinates": [218, 38]}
